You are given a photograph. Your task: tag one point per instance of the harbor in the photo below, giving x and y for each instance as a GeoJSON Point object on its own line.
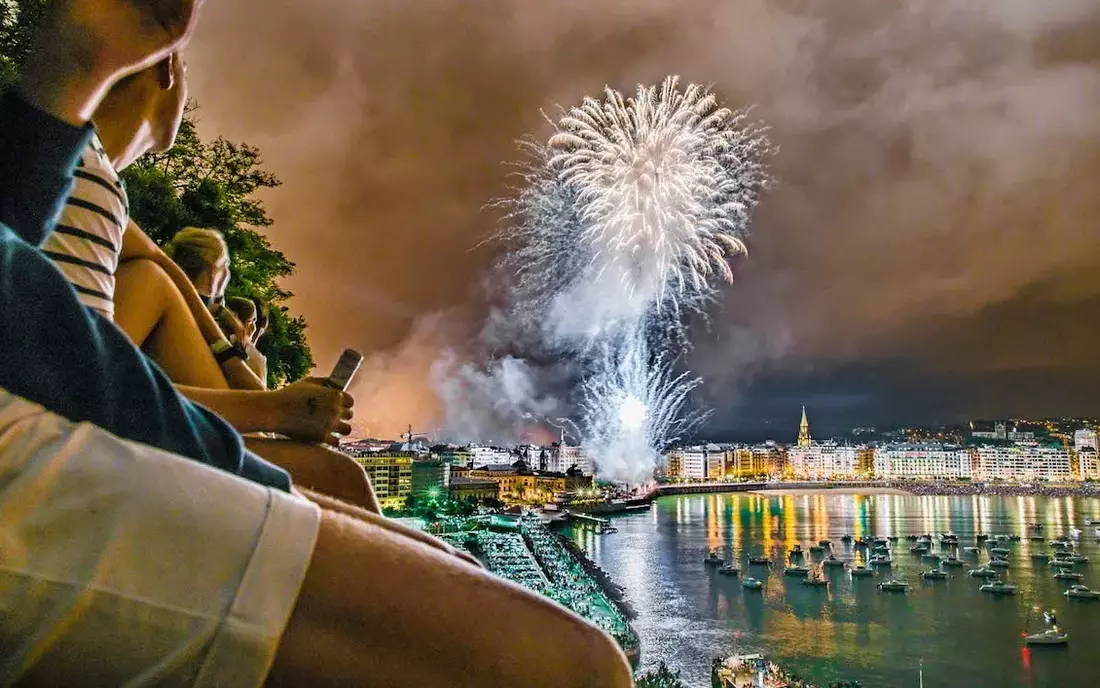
{"type": "Point", "coordinates": [862, 627]}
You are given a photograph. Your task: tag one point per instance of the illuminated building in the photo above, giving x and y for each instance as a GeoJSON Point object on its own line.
{"type": "Point", "coordinates": [390, 475]}
{"type": "Point", "coordinates": [1087, 464]}
{"type": "Point", "coordinates": [462, 488]}
{"type": "Point", "coordinates": [562, 457]}
{"type": "Point", "coordinates": [748, 462]}
{"type": "Point", "coordinates": [1085, 439]}
{"type": "Point", "coordinates": [804, 430]}
{"type": "Point", "coordinates": [823, 460]}
{"type": "Point", "coordinates": [1023, 463]}
{"type": "Point", "coordinates": [430, 478]}
{"type": "Point", "coordinates": [929, 461]}
{"type": "Point", "coordinates": [517, 484]}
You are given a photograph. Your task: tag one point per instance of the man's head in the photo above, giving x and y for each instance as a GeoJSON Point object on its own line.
{"type": "Point", "coordinates": [245, 310]}
{"type": "Point", "coordinates": [203, 256]}
{"type": "Point", "coordinates": [142, 112]}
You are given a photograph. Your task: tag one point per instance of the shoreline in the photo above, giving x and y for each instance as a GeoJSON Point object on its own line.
{"type": "Point", "coordinates": [840, 490]}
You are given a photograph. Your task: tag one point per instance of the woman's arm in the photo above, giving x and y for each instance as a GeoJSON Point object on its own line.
{"type": "Point", "coordinates": [137, 244]}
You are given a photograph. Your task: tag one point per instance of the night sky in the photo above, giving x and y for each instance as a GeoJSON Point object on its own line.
{"type": "Point", "coordinates": [932, 250]}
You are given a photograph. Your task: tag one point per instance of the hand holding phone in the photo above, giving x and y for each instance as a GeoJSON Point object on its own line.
{"type": "Point", "coordinates": [345, 369]}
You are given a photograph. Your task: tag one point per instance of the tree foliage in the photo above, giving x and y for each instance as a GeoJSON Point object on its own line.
{"type": "Point", "coordinates": [201, 184]}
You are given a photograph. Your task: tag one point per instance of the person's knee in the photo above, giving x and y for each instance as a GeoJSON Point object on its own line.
{"type": "Point", "coordinates": [144, 275]}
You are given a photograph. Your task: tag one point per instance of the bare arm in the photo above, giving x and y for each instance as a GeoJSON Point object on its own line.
{"type": "Point", "coordinates": [137, 244]}
{"type": "Point", "coordinates": [305, 410]}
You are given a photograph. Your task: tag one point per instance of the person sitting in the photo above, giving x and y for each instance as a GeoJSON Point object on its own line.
{"type": "Point", "coordinates": [121, 274]}
{"type": "Point", "coordinates": [240, 321]}
{"type": "Point", "coordinates": [142, 544]}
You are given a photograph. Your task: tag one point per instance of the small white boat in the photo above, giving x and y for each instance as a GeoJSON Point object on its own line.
{"type": "Point", "coordinates": [1074, 533]}
{"type": "Point", "coordinates": [1068, 575]}
{"type": "Point", "coordinates": [712, 559]}
{"type": "Point", "coordinates": [971, 550]}
{"type": "Point", "coordinates": [1078, 558]}
{"type": "Point", "coordinates": [752, 584]}
{"type": "Point", "coordinates": [1051, 636]}
{"type": "Point", "coordinates": [894, 585]}
{"type": "Point", "coordinates": [982, 572]}
{"type": "Point", "coordinates": [861, 571]}
{"type": "Point", "coordinates": [934, 574]}
{"type": "Point", "coordinates": [999, 587]}
{"type": "Point", "coordinates": [728, 570]}
{"type": "Point", "coordinates": [951, 560]}
{"type": "Point", "coordinates": [999, 563]}
{"type": "Point", "coordinates": [881, 561]}
{"type": "Point", "coordinates": [1082, 592]}
{"type": "Point", "coordinates": [999, 551]}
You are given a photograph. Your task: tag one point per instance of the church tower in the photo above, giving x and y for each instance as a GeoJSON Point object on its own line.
{"type": "Point", "coordinates": [804, 430]}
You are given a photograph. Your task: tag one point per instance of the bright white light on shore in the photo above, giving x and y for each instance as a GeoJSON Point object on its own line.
{"type": "Point", "coordinates": [632, 413]}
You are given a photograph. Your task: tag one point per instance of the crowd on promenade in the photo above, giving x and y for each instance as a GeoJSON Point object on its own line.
{"type": "Point", "coordinates": [998, 488]}
{"type": "Point", "coordinates": [147, 540]}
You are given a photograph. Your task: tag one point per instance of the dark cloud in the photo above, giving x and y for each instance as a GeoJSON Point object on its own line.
{"type": "Point", "coordinates": [935, 225]}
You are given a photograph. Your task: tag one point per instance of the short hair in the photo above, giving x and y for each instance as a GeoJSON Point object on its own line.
{"type": "Point", "coordinates": [243, 308]}
{"type": "Point", "coordinates": [197, 250]}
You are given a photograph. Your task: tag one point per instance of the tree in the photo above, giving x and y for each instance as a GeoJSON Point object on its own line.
{"type": "Point", "coordinates": [202, 184]}
{"type": "Point", "coordinates": [661, 677]}
{"type": "Point", "coordinates": [213, 184]}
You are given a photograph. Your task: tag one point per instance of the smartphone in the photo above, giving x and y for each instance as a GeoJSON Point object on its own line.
{"type": "Point", "coordinates": [345, 369]}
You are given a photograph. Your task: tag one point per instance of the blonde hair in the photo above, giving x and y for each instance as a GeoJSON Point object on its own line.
{"type": "Point", "coordinates": [197, 250]}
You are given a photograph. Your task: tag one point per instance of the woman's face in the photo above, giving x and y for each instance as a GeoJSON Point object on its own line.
{"type": "Point", "coordinates": [214, 281]}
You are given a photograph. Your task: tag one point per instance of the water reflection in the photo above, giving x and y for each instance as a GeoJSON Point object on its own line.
{"type": "Point", "coordinates": [688, 614]}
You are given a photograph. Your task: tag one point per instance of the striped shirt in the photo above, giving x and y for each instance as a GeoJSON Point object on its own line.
{"type": "Point", "coordinates": [87, 242]}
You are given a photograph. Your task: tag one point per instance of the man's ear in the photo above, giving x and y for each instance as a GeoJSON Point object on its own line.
{"type": "Point", "coordinates": [166, 72]}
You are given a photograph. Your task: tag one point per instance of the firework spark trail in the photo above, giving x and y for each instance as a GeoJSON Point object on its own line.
{"type": "Point", "coordinates": [625, 222]}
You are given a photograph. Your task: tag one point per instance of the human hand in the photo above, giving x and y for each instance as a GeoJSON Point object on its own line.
{"type": "Point", "coordinates": [313, 412]}
{"type": "Point", "coordinates": [232, 326]}
{"type": "Point", "coordinates": [84, 46]}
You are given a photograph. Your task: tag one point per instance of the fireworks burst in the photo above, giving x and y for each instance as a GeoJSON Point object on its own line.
{"type": "Point", "coordinates": [625, 223]}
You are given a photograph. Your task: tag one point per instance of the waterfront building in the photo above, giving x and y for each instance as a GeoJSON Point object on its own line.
{"type": "Point", "coordinates": [517, 484]}
{"type": "Point", "coordinates": [717, 464]}
{"type": "Point", "coordinates": [1088, 467]}
{"type": "Point", "coordinates": [462, 488]}
{"type": "Point", "coordinates": [820, 460]}
{"type": "Point", "coordinates": [1022, 463]}
{"type": "Point", "coordinates": [453, 456]}
{"type": "Point", "coordinates": [430, 478]}
{"type": "Point", "coordinates": [925, 461]}
{"type": "Point", "coordinates": [390, 475]}
{"type": "Point", "coordinates": [804, 430]}
{"type": "Point", "coordinates": [562, 457]}
{"type": "Point", "coordinates": [1085, 438]}
{"type": "Point", "coordinates": [749, 462]}
{"type": "Point", "coordinates": [481, 455]}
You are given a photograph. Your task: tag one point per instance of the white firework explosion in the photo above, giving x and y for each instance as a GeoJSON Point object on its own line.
{"type": "Point", "coordinates": [664, 184]}
{"type": "Point", "coordinates": [625, 223]}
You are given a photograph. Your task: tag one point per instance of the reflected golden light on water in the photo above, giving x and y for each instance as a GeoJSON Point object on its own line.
{"type": "Point", "coordinates": [714, 522]}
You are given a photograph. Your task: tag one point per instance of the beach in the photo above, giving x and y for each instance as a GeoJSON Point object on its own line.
{"type": "Point", "coordinates": [838, 490]}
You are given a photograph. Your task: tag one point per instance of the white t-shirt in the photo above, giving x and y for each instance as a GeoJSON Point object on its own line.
{"type": "Point", "coordinates": [87, 242]}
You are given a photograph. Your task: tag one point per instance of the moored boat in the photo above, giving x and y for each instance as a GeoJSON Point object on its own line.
{"type": "Point", "coordinates": [881, 560]}
{"type": "Point", "coordinates": [760, 560]}
{"type": "Point", "coordinates": [1081, 592]}
{"type": "Point", "coordinates": [998, 587]}
{"type": "Point", "coordinates": [951, 560]}
{"type": "Point", "coordinates": [712, 559]}
{"type": "Point", "coordinates": [934, 574]}
{"type": "Point", "coordinates": [1063, 574]}
{"type": "Point", "coordinates": [982, 572]}
{"type": "Point", "coordinates": [752, 584]}
{"type": "Point", "coordinates": [728, 570]}
{"type": "Point", "coordinates": [832, 561]}
{"type": "Point", "coordinates": [998, 563]}
{"type": "Point", "coordinates": [1051, 636]}
{"type": "Point", "coordinates": [798, 571]}
{"type": "Point", "coordinates": [861, 571]}
{"type": "Point", "coordinates": [893, 585]}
